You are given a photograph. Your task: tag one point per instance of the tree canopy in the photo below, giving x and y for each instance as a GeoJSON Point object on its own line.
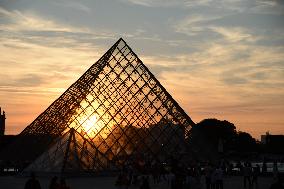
{"type": "Point", "coordinates": [209, 135]}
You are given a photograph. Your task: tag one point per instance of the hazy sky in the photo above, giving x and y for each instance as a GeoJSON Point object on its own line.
{"type": "Point", "coordinates": [218, 58]}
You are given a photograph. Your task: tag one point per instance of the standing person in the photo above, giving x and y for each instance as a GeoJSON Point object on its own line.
{"type": "Point", "coordinates": [118, 182]}
{"type": "Point", "coordinates": [172, 180]}
{"type": "Point", "coordinates": [155, 173]}
{"type": "Point", "coordinates": [187, 180]}
{"type": "Point", "coordinates": [277, 184]}
{"type": "Point", "coordinates": [218, 174]}
{"type": "Point", "coordinates": [198, 173]}
{"type": "Point", "coordinates": [208, 174]}
{"type": "Point", "coordinates": [213, 178]}
{"type": "Point", "coordinates": [264, 168]}
{"type": "Point", "coordinates": [145, 183]}
{"type": "Point", "coordinates": [122, 181]}
{"type": "Point", "coordinates": [167, 177]}
{"type": "Point", "coordinates": [255, 174]}
{"type": "Point", "coordinates": [32, 183]}
{"type": "Point", "coordinates": [275, 169]}
{"type": "Point", "coordinates": [247, 175]}
{"type": "Point", "coordinates": [239, 166]}
{"type": "Point", "coordinates": [63, 184]}
{"type": "Point", "coordinates": [54, 183]}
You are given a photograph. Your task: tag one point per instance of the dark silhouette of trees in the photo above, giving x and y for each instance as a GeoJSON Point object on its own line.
{"type": "Point", "coordinates": [215, 130]}
{"type": "Point", "coordinates": [209, 135]}
{"type": "Point", "coordinates": [244, 142]}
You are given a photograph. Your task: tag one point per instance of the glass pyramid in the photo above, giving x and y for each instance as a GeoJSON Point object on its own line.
{"type": "Point", "coordinates": [70, 152]}
{"type": "Point", "coordinates": [119, 109]}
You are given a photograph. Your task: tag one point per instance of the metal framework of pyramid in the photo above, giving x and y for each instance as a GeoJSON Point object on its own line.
{"type": "Point", "coordinates": [116, 110]}
{"type": "Point", "coordinates": [70, 152]}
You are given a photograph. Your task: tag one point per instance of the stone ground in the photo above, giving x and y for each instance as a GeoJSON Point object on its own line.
{"type": "Point", "coordinates": [232, 182]}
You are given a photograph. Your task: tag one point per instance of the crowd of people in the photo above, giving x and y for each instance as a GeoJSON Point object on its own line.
{"type": "Point", "coordinates": [55, 183]}
{"type": "Point", "coordinates": [176, 175]}
{"type": "Point", "coordinates": [207, 176]}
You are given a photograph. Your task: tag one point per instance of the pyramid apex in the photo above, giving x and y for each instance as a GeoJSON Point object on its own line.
{"type": "Point", "coordinates": [120, 39]}
{"type": "Point", "coordinates": [120, 42]}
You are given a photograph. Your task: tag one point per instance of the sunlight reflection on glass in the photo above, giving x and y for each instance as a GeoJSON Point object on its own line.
{"type": "Point", "coordinates": [90, 123]}
{"type": "Point", "coordinates": [90, 118]}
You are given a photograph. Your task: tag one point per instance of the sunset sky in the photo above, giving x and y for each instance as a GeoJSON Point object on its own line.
{"type": "Point", "coordinates": [219, 59]}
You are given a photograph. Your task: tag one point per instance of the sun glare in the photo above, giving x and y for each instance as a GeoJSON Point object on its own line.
{"type": "Point", "coordinates": [90, 124]}
{"type": "Point", "coordinates": [90, 118]}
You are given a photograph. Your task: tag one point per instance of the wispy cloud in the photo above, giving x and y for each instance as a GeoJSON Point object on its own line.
{"type": "Point", "coordinates": [194, 24]}
{"type": "Point", "coordinates": [235, 34]}
{"type": "Point", "coordinates": [33, 29]}
{"type": "Point", "coordinates": [220, 59]}
{"type": "Point", "coordinates": [156, 3]}
{"type": "Point", "coordinates": [75, 5]}
{"type": "Point", "coordinates": [18, 21]}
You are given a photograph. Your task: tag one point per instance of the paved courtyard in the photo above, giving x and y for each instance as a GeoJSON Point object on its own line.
{"type": "Point", "coordinates": [233, 182]}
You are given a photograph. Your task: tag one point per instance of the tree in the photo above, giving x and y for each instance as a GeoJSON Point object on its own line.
{"type": "Point", "coordinates": [244, 142]}
{"type": "Point", "coordinates": [207, 135]}
{"type": "Point", "coordinates": [214, 130]}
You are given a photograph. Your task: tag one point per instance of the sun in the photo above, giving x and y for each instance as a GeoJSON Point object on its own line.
{"type": "Point", "coordinates": [89, 119]}
{"type": "Point", "coordinates": [89, 124]}
{"type": "Point", "coordinates": [86, 124]}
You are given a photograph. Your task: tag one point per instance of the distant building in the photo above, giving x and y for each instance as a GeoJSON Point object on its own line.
{"type": "Point", "coordinates": [274, 143]}
{"type": "Point", "coordinates": [271, 139]}
{"type": "Point", "coordinates": [4, 139]}
{"type": "Point", "coordinates": [2, 123]}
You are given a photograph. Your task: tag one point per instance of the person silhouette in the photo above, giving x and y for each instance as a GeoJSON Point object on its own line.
{"type": "Point", "coordinates": [255, 174]}
{"type": "Point", "coordinates": [54, 183]}
{"type": "Point", "coordinates": [145, 183]}
{"type": "Point", "coordinates": [276, 184]}
{"type": "Point", "coordinates": [32, 183]}
{"type": "Point", "coordinates": [275, 169]}
{"type": "Point", "coordinates": [63, 184]}
{"type": "Point", "coordinates": [247, 172]}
